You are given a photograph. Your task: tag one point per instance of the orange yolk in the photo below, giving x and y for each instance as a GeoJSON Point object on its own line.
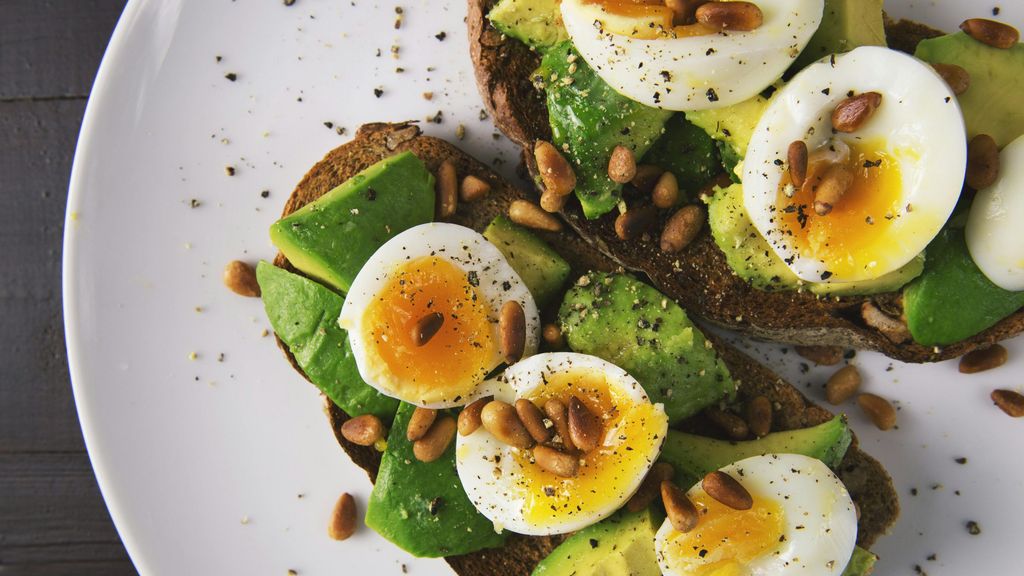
{"type": "Point", "coordinates": [858, 223]}
{"type": "Point", "coordinates": [726, 540]}
{"type": "Point", "coordinates": [459, 355]}
{"type": "Point", "coordinates": [645, 20]}
{"type": "Point", "coordinates": [608, 473]}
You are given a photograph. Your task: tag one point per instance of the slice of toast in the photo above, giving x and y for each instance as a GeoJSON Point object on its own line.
{"type": "Point", "coordinates": [699, 277]}
{"type": "Point", "coordinates": [868, 482]}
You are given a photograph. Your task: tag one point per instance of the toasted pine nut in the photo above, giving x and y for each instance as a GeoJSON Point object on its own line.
{"type": "Point", "coordinates": [682, 228]}
{"type": "Point", "coordinates": [622, 165]}
{"type": "Point", "coordinates": [880, 410]}
{"type": "Point", "coordinates": [759, 416]}
{"type": "Point", "coordinates": [821, 355]}
{"type": "Point", "coordinates": [473, 189]}
{"type": "Point", "coordinates": [555, 172]}
{"type": "Point", "coordinates": [426, 328]}
{"type": "Point", "coordinates": [447, 188]}
{"type": "Point", "coordinates": [553, 336]}
{"type": "Point", "coordinates": [982, 162]}
{"type": "Point", "coordinates": [585, 428]}
{"type": "Point", "coordinates": [680, 510]}
{"type": "Point", "coordinates": [797, 157]}
{"type": "Point", "coordinates": [512, 330]}
{"type": "Point", "coordinates": [419, 423]}
{"type": "Point", "coordinates": [1009, 401]}
{"type": "Point", "coordinates": [958, 79]}
{"type": "Point", "coordinates": [469, 418]}
{"type": "Point", "coordinates": [434, 443]}
{"type": "Point", "coordinates": [532, 216]}
{"type": "Point", "coordinates": [854, 112]}
{"type": "Point", "coordinates": [842, 385]}
{"type": "Point", "coordinates": [635, 221]}
{"type": "Point", "coordinates": [647, 176]}
{"type": "Point", "coordinates": [556, 411]}
{"type": "Point", "coordinates": [893, 329]}
{"type": "Point", "coordinates": [830, 187]}
{"type": "Point", "coordinates": [650, 488]}
{"type": "Point", "coordinates": [552, 202]}
{"type": "Point", "coordinates": [502, 421]}
{"type": "Point", "coordinates": [983, 359]}
{"type": "Point", "coordinates": [363, 430]}
{"type": "Point", "coordinates": [739, 16]}
{"type": "Point", "coordinates": [734, 426]}
{"type": "Point", "coordinates": [555, 461]}
{"type": "Point", "coordinates": [727, 490]}
{"type": "Point", "coordinates": [666, 191]}
{"type": "Point", "coordinates": [343, 518]}
{"type": "Point", "coordinates": [533, 420]}
{"type": "Point", "coordinates": [992, 33]}
{"type": "Point", "coordinates": [240, 278]}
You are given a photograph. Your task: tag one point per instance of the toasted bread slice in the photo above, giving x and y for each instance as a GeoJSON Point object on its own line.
{"type": "Point", "coordinates": [868, 482]}
{"type": "Point", "coordinates": [699, 277]}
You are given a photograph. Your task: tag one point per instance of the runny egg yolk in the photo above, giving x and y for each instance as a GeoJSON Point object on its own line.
{"type": "Point", "coordinates": [727, 540]}
{"type": "Point", "coordinates": [858, 224]}
{"type": "Point", "coordinates": [644, 20]}
{"type": "Point", "coordinates": [607, 474]}
{"type": "Point", "coordinates": [457, 357]}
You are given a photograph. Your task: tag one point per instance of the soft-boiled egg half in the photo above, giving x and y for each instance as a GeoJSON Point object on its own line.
{"type": "Point", "coordinates": [907, 164]}
{"type": "Point", "coordinates": [994, 235]}
{"type": "Point", "coordinates": [447, 272]}
{"type": "Point", "coordinates": [802, 523]}
{"type": "Point", "coordinates": [637, 50]}
{"type": "Point", "coordinates": [507, 486]}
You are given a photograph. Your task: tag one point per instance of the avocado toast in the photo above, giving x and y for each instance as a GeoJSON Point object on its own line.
{"type": "Point", "coordinates": [711, 282]}
{"type": "Point", "coordinates": [866, 480]}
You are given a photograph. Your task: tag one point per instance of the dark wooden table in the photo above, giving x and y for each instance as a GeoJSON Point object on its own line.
{"type": "Point", "coordinates": [52, 517]}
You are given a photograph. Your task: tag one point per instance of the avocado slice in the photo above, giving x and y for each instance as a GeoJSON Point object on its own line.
{"type": "Point", "coordinates": [536, 23]}
{"type": "Point", "coordinates": [845, 25]}
{"type": "Point", "coordinates": [992, 104]}
{"type": "Point", "coordinates": [421, 506]}
{"type": "Point", "coordinates": [953, 299]}
{"type": "Point", "coordinates": [620, 545]}
{"type": "Point", "coordinates": [862, 563]}
{"type": "Point", "coordinates": [635, 327]}
{"type": "Point", "coordinates": [331, 238]}
{"type": "Point", "coordinates": [541, 268]}
{"type": "Point", "coordinates": [304, 316]}
{"type": "Point", "coordinates": [686, 151]}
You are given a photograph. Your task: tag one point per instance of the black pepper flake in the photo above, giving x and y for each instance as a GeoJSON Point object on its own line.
{"type": "Point", "coordinates": [826, 91]}
{"type": "Point", "coordinates": [712, 95]}
{"type": "Point", "coordinates": [435, 505]}
{"type": "Point", "coordinates": [873, 164]}
{"type": "Point", "coordinates": [329, 125]}
{"type": "Point", "coordinates": [473, 278]}
{"type": "Point", "coordinates": [441, 36]}
{"type": "Point", "coordinates": [231, 76]}
{"type": "Point", "coordinates": [378, 92]}
{"type": "Point", "coordinates": [961, 460]}
{"type": "Point", "coordinates": [219, 58]}
{"type": "Point", "coordinates": [972, 528]}
{"type": "Point", "coordinates": [229, 170]}
{"type": "Point", "coordinates": [265, 194]}
{"type": "Point", "coordinates": [289, 2]}
{"type": "Point", "coordinates": [371, 194]}
{"type": "Point", "coordinates": [594, 543]}
{"type": "Point", "coordinates": [826, 275]}
{"type": "Point", "coordinates": [195, 203]}
{"type": "Point", "coordinates": [996, 10]}
{"type": "Point", "coordinates": [436, 118]}
{"type": "Point", "coordinates": [666, 75]}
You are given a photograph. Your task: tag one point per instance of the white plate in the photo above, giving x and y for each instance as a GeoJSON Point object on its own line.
{"type": "Point", "coordinates": [229, 467]}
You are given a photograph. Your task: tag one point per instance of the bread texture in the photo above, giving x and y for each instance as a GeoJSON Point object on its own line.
{"type": "Point", "coordinates": [699, 277]}
{"type": "Point", "coordinates": [866, 479]}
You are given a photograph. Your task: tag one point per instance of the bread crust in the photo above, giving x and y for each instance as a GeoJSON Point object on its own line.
{"type": "Point", "coordinates": [699, 277]}
{"type": "Point", "coordinates": [868, 482]}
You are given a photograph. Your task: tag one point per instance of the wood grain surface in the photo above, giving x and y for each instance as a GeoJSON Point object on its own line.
{"type": "Point", "coordinates": [52, 518]}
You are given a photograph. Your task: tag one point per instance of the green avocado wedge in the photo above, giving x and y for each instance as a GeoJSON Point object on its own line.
{"type": "Point", "coordinates": [331, 238]}
{"type": "Point", "coordinates": [845, 25]}
{"type": "Point", "coordinates": [626, 322]}
{"type": "Point", "coordinates": [621, 545]}
{"type": "Point", "coordinates": [953, 300]}
{"type": "Point", "coordinates": [421, 506]}
{"type": "Point", "coordinates": [304, 315]}
{"type": "Point", "coordinates": [688, 152]}
{"type": "Point", "coordinates": [536, 23]}
{"type": "Point", "coordinates": [542, 269]}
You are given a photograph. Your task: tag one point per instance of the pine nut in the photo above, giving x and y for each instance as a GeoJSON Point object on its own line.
{"type": "Point", "coordinates": [842, 385]}
{"type": "Point", "coordinates": [738, 16]}
{"type": "Point", "coordinates": [682, 228]}
{"type": "Point", "coordinates": [727, 490]}
{"type": "Point", "coordinates": [502, 421]}
{"type": "Point", "coordinates": [552, 202]}
{"type": "Point", "coordinates": [556, 462]}
{"type": "Point", "coordinates": [363, 430]}
{"type": "Point", "coordinates": [473, 189]}
{"type": "Point", "coordinates": [533, 420]}
{"type": "Point", "coordinates": [426, 328]}
{"type": "Point", "coordinates": [759, 416]}
{"type": "Point", "coordinates": [240, 278]}
{"type": "Point", "coordinates": [555, 172]}
{"type": "Point", "coordinates": [434, 443]}
{"type": "Point", "coordinates": [880, 410]}
{"type": "Point", "coordinates": [647, 176]}
{"type": "Point", "coordinates": [797, 156]}
{"type": "Point", "coordinates": [532, 216]}
{"type": "Point", "coordinates": [553, 337]}
{"type": "Point", "coordinates": [893, 329]}
{"type": "Point", "coordinates": [733, 426]}
{"type": "Point", "coordinates": [512, 331]}
{"type": "Point", "coordinates": [830, 187]}
{"type": "Point", "coordinates": [650, 488]}
{"type": "Point", "coordinates": [585, 428]}
{"type": "Point", "coordinates": [419, 423]}
{"type": "Point", "coordinates": [958, 79]}
{"type": "Point", "coordinates": [983, 359]}
{"type": "Point", "coordinates": [622, 165]}
{"type": "Point", "coordinates": [469, 418]}
{"type": "Point", "coordinates": [992, 33]}
{"type": "Point", "coordinates": [666, 191]}
{"type": "Point", "coordinates": [343, 518]}
{"type": "Point", "coordinates": [556, 411]}
{"type": "Point", "coordinates": [982, 162]}
{"type": "Point", "coordinates": [680, 510]}
{"type": "Point", "coordinates": [447, 189]}
{"type": "Point", "coordinates": [821, 355]}
{"type": "Point", "coordinates": [1010, 402]}
{"type": "Point", "coordinates": [635, 221]}
{"type": "Point", "coordinates": [854, 112]}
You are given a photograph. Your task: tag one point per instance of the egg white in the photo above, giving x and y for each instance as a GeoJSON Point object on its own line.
{"type": "Point", "coordinates": [922, 127]}
{"type": "Point", "coordinates": [819, 524]}
{"type": "Point", "coordinates": [468, 251]}
{"type": "Point", "coordinates": [699, 72]}
{"type": "Point", "coordinates": [993, 232]}
{"type": "Point", "coordinates": [489, 471]}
